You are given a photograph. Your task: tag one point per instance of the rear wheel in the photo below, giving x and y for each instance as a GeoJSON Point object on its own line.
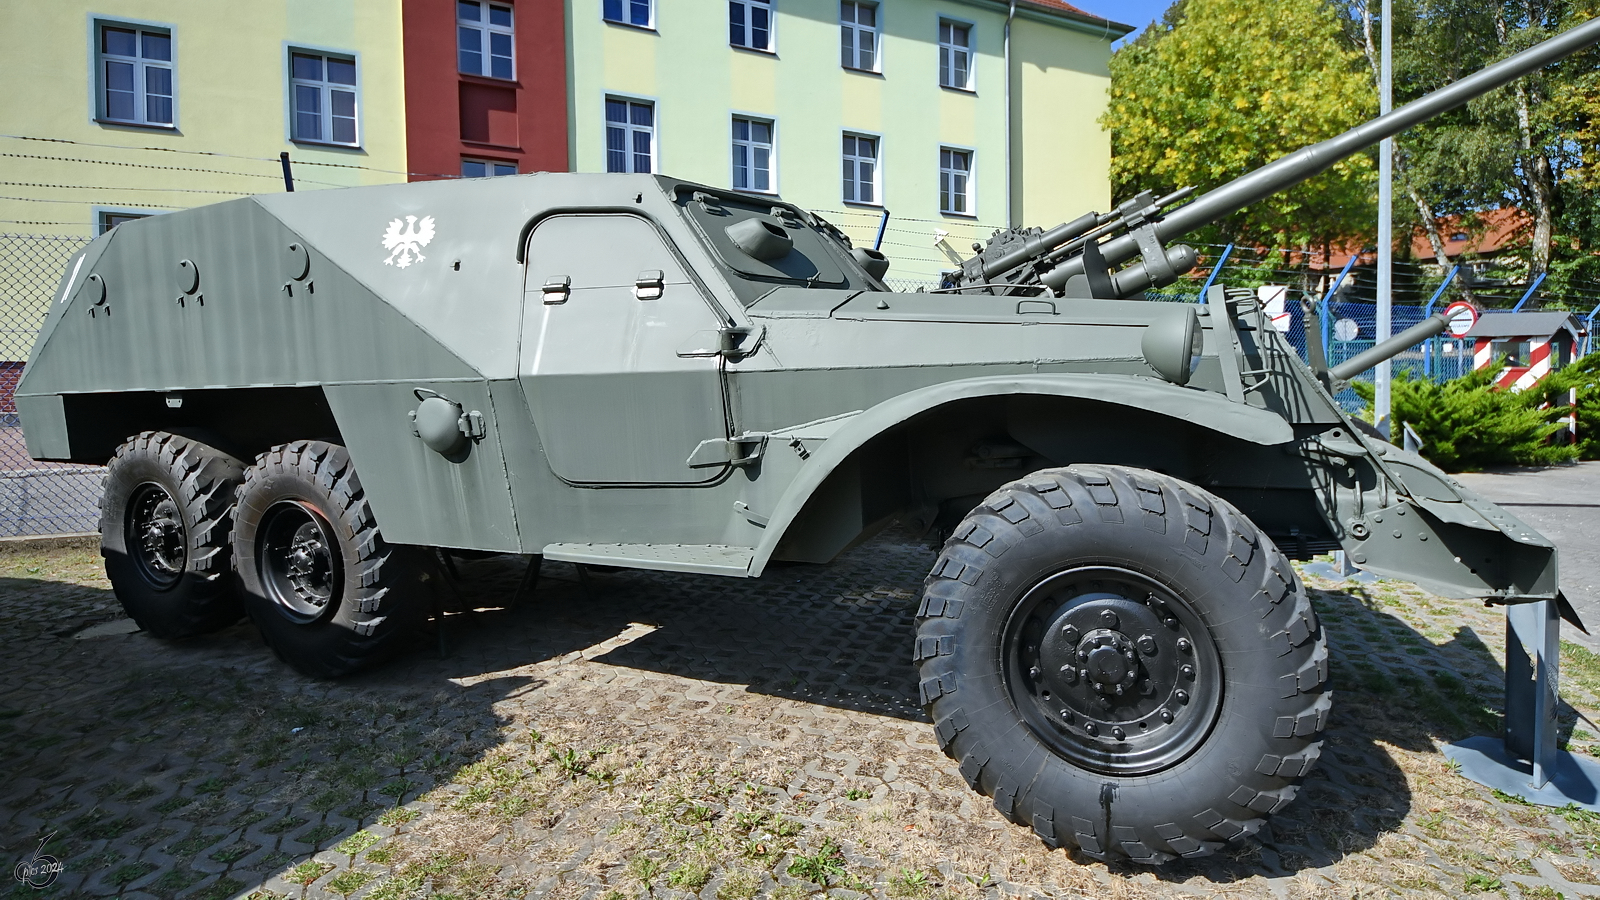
{"type": "Point", "coordinates": [329, 594]}
{"type": "Point", "coordinates": [165, 514]}
{"type": "Point", "coordinates": [1123, 662]}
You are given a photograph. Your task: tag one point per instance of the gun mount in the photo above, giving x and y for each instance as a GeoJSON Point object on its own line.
{"type": "Point", "coordinates": [1078, 258]}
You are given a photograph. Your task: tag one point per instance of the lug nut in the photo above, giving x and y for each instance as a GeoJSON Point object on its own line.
{"type": "Point", "coordinates": [1166, 715]}
{"type": "Point", "coordinates": [1147, 644]}
{"type": "Point", "coordinates": [1091, 728]}
{"type": "Point", "coordinates": [1070, 673]}
{"type": "Point", "coordinates": [1119, 690]}
{"type": "Point", "coordinates": [1083, 654]}
{"type": "Point", "coordinates": [1033, 672]}
{"type": "Point", "coordinates": [1170, 622]}
{"type": "Point", "coordinates": [1183, 696]}
{"type": "Point", "coordinates": [1069, 634]}
{"type": "Point", "coordinates": [1188, 671]}
{"type": "Point", "coordinates": [1183, 644]}
{"type": "Point", "coordinates": [1108, 618]}
{"type": "Point", "coordinates": [1083, 673]}
{"type": "Point", "coordinates": [1118, 733]}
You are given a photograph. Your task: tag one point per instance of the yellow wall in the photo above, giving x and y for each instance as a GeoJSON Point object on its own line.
{"type": "Point", "coordinates": [1061, 157]}
{"type": "Point", "coordinates": [230, 87]}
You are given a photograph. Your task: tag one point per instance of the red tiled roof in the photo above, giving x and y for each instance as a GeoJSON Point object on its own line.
{"type": "Point", "coordinates": [1059, 6]}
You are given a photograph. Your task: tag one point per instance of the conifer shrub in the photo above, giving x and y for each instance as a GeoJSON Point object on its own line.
{"type": "Point", "coordinates": [1467, 424]}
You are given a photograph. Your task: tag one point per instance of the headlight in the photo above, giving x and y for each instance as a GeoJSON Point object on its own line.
{"type": "Point", "coordinates": [1172, 344]}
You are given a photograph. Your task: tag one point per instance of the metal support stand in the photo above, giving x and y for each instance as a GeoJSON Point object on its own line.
{"type": "Point", "coordinates": [1340, 569]}
{"type": "Point", "coordinates": [1526, 762]}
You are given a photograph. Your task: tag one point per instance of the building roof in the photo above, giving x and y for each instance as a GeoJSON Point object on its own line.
{"type": "Point", "coordinates": [1499, 229]}
{"type": "Point", "coordinates": [1114, 29]}
{"type": "Point", "coordinates": [1527, 324]}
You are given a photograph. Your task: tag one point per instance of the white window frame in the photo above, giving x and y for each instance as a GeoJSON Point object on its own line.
{"type": "Point", "coordinates": [749, 7]}
{"type": "Point", "coordinates": [855, 31]}
{"type": "Point", "coordinates": [969, 194]}
{"type": "Point", "coordinates": [485, 30]}
{"type": "Point", "coordinates": [751, 145]}
{"type": "Point", "coordinates": [877, 169]}
{"type": "Point", "coordinates": [627, 10]}
{"type": "Point", "coordinates": [326, 89]}
{"type": "Point", "coordinates": [98, 82]}
{"type": "Point", "coordinates": [490, 164]}
{"type": "Point", "coordinates": [630, 129]}
{"type": "Point", "coordinates": [951, 48]}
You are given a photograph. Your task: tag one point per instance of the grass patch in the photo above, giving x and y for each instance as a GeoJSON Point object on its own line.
{"type": "Point", "coordinates": [355, 843]}
{"type": "Point", "coordinates": [349, 881]}
{"type": "Point", "coordinates": [126, 875]}
{"type": "Point", "coordinates": [307, 872]}
{"type": "Point", "coordinates": [821, 867]}
{"type": "Point", "coordinates": [740, 884]}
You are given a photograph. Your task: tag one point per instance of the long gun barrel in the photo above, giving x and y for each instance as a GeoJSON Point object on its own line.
{"type": "Point", "coordinates": [1389, 349]}
{"type": "Point", "coordinates": [1280, 174]}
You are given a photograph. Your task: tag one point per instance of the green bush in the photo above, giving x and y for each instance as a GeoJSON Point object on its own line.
{"type": "Point", "coordinates": [1466, 424]}
{"type": "Point", "coordinates": [1584, 374]}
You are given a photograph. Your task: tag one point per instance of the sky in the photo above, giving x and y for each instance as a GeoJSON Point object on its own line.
{"type": "Point", "coordinates": [1137, 13]}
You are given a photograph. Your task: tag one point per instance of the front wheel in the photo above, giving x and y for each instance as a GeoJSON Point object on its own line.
{"type": "Point", "coordinates": [328, 593]}
{"type": "Point", "coordinates": [1123, 662]}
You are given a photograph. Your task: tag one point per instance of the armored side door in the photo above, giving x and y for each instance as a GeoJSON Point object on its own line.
{"type": "Point", "coordinates": [608, 307]}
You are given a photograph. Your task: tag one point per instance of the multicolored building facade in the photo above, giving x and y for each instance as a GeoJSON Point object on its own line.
{"type": "Point", "coordinates": [942, 116]}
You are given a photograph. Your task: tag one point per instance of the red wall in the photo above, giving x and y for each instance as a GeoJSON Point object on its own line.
{"type": "Point", "coordinates": [450, 115]}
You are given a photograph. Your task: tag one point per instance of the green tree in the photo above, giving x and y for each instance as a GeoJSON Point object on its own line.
{"type": "Point", "coordinates": [1221, 87]}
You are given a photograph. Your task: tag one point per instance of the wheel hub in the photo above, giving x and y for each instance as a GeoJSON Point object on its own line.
{"type": "Point", "coordinates": [156, 535]}
{"type": "Point", "coordinates": [1113, 670]}
{"type": "Point", "coordinates": [298, 560]}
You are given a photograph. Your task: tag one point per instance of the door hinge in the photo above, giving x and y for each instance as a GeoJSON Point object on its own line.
{"type": "Point", "coordinates": [736, 451]}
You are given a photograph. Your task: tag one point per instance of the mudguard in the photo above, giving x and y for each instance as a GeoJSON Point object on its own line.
{"type": "Point", "coordinates": [1202, 408]}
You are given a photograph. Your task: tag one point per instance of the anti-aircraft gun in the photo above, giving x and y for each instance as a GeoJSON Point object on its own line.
{"type": "Point", "coordinates": [303, 398]}
{"type": "Point", "coordinates": [1080, 258]}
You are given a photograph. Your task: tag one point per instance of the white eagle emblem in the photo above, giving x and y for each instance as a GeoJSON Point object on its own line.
{"type": "Point", "coordinates": [405, 243]}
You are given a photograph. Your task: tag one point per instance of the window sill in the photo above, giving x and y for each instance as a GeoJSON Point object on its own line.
{"type": "Point", "coordinates": [971, 92]}
{"type": "Point", "coordinates": [632, 27]}
{"type": "Point", "coordinates": [508, 148]}
{"type": "Point", "coordinates": [874, 204]}
{"type": "Point", "coordinates": [870, 73]}
{"type": "Point", "coordinates": [325, 145]}
{"type": "Point", "coordinates": [151, 126]}
{"type": "Point", "coordinates": [757, 50]}
{"type": "Point", "coordinates": [958, 215]}
{"type": "Point", "coordinates": [756, 192]}
{"type": "Point", "coordinates": [489, 80]}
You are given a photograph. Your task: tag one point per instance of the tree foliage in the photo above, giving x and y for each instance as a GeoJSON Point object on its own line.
{"type": "Point", "coordinates": [1221, 87]}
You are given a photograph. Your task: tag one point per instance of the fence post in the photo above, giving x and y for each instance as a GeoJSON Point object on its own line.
{"type": "Point", "coordinates": [1215, 271]}
{"type": "Point", "coordinates": [1427, 349]}
{"type": "Point", "coordinates": [1531, 288]}
{"type": "Point", "coordinates": [1322, 308]}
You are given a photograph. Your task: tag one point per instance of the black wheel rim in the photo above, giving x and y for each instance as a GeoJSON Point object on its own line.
{"type": "Point", "coordinates": [297, 558]}
{"type": "Point", "coordinates": [1114, 671]}
{"type": "Point", "coordinates": [155, 536]}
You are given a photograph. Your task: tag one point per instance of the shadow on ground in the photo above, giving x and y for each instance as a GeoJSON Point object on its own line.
{"type": "Point", "coordinates": [206, 769]}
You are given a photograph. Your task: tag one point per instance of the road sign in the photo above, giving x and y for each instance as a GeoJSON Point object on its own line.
{"type": "Point", "coordinates": [1461, 316]}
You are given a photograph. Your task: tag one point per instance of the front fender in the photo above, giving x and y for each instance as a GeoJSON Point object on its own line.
{"type": "Point", "coordinates": [1192, 405]}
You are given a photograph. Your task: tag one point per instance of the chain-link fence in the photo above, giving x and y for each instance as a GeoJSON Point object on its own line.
{"type": "Point", "coordinates": [35, 497]}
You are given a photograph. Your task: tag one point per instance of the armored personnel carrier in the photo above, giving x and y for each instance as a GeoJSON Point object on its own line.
{"type": "Point", "coordinates": [301, 396]}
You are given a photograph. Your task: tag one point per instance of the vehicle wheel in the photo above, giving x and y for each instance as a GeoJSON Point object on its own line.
{"type": "Point", "coordinates": [329, 594]}
{"type": "Point", "coordinates": [165, 513]}
{"type": "Point", "coordinates": [1123, 662]}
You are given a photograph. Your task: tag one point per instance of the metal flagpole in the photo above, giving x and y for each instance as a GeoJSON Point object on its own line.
{"type": "Point", "coordinates": [1380, 401]}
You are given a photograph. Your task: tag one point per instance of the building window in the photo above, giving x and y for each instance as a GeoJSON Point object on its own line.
{"type": "Point", "coordinates": [858, 35]}
{"type": "Point", "coordinates": [752, 155]}
{"type": "Point", "coordinates": [955, 55]}
{"type": "Point", "coordinates": [324, 91]}
{"type": "Point", "coordinates": [861, 169]}
{"type": "Point", "coordinates": [107, 220]}
{"type": "Point", "coordinates": [955, 182]}
{"type": "Point", "coordinates": [750, 24]}
{"type": "Point", "coordinates": [1459, 236]}
{"type": "Point", "coordinates": [135, 75]}
{"type": "Point", "coordinates": [630, 136]}
{"type": "Point", "coordinates": [483, 168]}
{"type": "Point", "coordinates": [476, 24]}
{"type": "Point", "coordinates": [629, 12]}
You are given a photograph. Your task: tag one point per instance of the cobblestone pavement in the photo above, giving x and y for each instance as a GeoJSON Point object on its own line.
{"type": "Point", "coordinates": [675, 735]}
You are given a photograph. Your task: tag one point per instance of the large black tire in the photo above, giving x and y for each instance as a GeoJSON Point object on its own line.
{"type": "Point", "coordinates": [1123, 662]}
{"type": "Point", "coordinates": [328, 593]}
{"type": "Point", "coordinates": [165, 513]}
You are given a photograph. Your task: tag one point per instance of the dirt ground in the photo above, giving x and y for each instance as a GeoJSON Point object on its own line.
{"type": "Point", "coordinates": [674, 735]}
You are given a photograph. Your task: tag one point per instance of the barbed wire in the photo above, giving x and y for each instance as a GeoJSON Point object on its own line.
{"type": "Point", "coordinates": [130, 165]}
{"type": "Point", "coordinates": [94, 187]}
{"type": "Point", "coordinates": [218, 153]}
{"type": "Point", "coordinates": [91, 202]}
